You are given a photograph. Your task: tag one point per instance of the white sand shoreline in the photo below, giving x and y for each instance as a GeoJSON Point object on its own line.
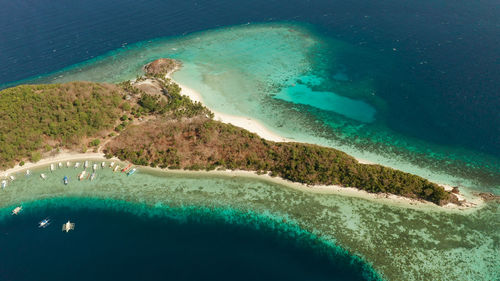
{"type": "Point", "coordinates": [243, 122]}
{"type": "Point", "coordinates": [383, 198]}
{"type": "Point", "coordinates": [60, 157]}
{"type": "Point", "coordinates": [246, 123]}
{"type": "Point", "coordinates": [258, 128]}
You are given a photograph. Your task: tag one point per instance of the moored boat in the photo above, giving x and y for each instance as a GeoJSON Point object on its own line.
{"type": "Point", "coordinates": [81, 175]}
{"type": "Point", "coordinates": [28, 172]}
{"type": "Point", "coordinates": [131, 172]}
{"type": "Point", "coordinates": [94, 167]}
{"type": "Point", "coordinates": [85, 164]}
{"type": "Point", "coordinates": [12, 178]}
{"type": "Point", "coordinates": [68, 164]}
{"type": "Point", "coordinates": [60, 165]}
{"type": "Point", "coordinates": [126, 168]}
{"type": "Point", "coordinates": [44, 223]}
{"type": "Point", "coordinates": [65, 180]}
{"type": "Point", "coordinates": [52, 167]}
{"type": "Point", "coordinates": [4, 184]}
{"type": "Point", "coordinates": [92, 177]}
{"type": "Point", "coordinates": [43, 176]}
{"type": "Point", "coordinates": [17, 210]}
{"type": "Point", "coordinates": [111, 164]}
{"type": "Point", "coordinates": [68, 226]}
{"type": "Point", "coordinates": [77, 164]}
{"type": "Point", "coordinates": [116, 168]}
{"type": "Point", "coordinates": [103, 164]}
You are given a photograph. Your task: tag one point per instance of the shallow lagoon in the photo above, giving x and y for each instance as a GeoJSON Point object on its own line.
{"type": "Point", "coordinates": [401, 243]}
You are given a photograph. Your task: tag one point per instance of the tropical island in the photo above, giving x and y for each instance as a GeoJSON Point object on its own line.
{"type": "Point", "coordinates": [149, 122]}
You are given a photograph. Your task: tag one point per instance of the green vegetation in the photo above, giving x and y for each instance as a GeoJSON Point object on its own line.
{"type": "Point", "coordinates": [172, 103]}
{"type": "Point", "coordinates": [95, 142]}
{"type": "Point", "coordinates": [37, 118]}
{"type": "Point", "coordinates": [35, 156]}
{"type": "Point", "coordinates": [204, 144]}
{"type": "Point", "coordinates": [172, 131]}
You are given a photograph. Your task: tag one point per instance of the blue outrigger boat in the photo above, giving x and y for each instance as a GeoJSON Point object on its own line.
{"type": "Point", "coordinates": [65, 180]}
{"type": "Point", "coordinates": [131, 172]}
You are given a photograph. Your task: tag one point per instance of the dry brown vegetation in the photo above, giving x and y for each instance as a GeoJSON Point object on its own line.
{"type": "Point", "coordinates": [201, 143]}
{"type": "Point", "coordinates": [157, 126]}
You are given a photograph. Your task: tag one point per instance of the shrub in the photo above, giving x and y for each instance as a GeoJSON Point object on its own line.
{"type": "Point", "coordinates": [35, 156]}
{"type": "Point", "coordinates": [95, 142]}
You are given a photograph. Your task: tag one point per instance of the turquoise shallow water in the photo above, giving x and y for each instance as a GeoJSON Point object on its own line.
{"type": "Point", "coordinates": [301, 85]}
{"type": "Point", "coordinates": [300, 92]}
{"type": "Point", "coordinates": [402, 243]}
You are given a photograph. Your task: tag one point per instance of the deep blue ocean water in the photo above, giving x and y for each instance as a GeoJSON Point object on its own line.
{"type": "Point", "coordinates": [109, 244]}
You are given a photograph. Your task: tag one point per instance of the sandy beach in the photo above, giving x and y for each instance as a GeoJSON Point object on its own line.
{"type": "Point", "coordinates": [243, 122]}
{"type": "Point", "coordinates": [392, 199]}
{"type": "Point", "coordinates": [255, 127]}
{"type": "Point", "coordinates": [246, 123]}
{"type": "Point", "coordinates": [63, 157]}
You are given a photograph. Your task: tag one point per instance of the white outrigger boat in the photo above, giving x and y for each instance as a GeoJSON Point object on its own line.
{"type": "Point", "coordinates": [43, 176]}
{"type": "Point", "coordinates": [94, 167]}
{"type": "Point", "coordinates": [4, 184]}
{"type": "Point", "coordinates": [81, 175]}
{"type": "Point", "coordinates": [103, 164]}
{"type": "Point", "coordinates": [111, 164]}
{"type": "Point", "coordinates": [52, 167]}
{"type": "Point", "coordinates": [12, 178]}
{"type": "Point", "coordinates": [92, 177]}
{"type": "Point", "coordinates": [17, 210]}
{"type": "Point", "coordinates": [28, 173]}
{"type": "Point", "coordinates": [77, 164]}
{"type": "Point", "coordinates": [68, 226]}
{"type": "Point", "coordinates": [116, 168]}
{"type": "Point", "coordinates": [85, 164]}
{"type": "Point", "coordinates": [68, 164]}
{"type": "Point", "coordinates": [60, 165]}
{"type": "Point", "coordinates": [44, 223]}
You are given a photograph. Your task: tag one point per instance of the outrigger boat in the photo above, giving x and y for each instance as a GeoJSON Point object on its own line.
{"type": "Point", "coordinates": [68, 164]}
{"type": "Point", "coordinates": [103, 164]}
{"type": "Point", "coordinates": [4, 184]}
{"type": "Point", "coordinates": [111, 164]}
{"type": "Point", "coordinates": [17, 210]}
{"type": "Point", "coordinates": [44, 223]}
{"type": "Point", "coordinates": [126, 168]}
{"type": "Point", "coordinates": [81, 175]}
{"type": "Point", "coordinates": [116, 168]}
{"type": "Point", "coordinates": [28, 172]}
{"type": "Point", "coordinates": [52, 167]}
{"type": "Point", "coordinates": [77, 164]}
{"type": "Point", "coordinates": [85, 164]}
{"type": "Point", "coordinates": [131, 172]}
{"type": "Point", "coordinates": [92, 177]}
{"type": "Point", "coordinates": [94, 167]}
{"type": "Point", "coordinates": [68, 226]}
{"type": "Point", "coordinates": [65, 180]}
{"type": "Point", "coordinates": [43, 176]}
{"type": "Point", "coordinates": [12, 178]}
{"type": "Point", "coordinates": [60, 165]}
